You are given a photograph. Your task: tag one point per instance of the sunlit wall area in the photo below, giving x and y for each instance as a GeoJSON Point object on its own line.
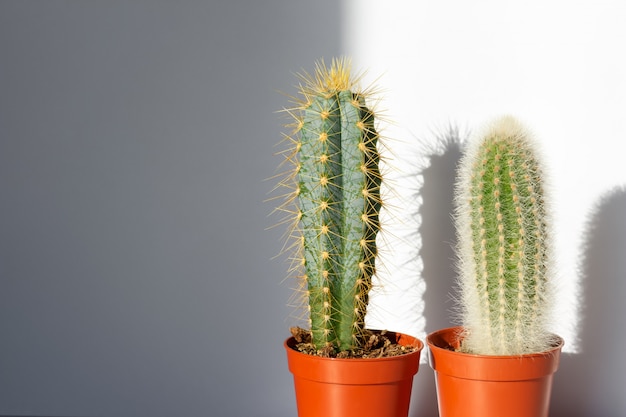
{"type": "Point", "coordinates": [447, 68]}
{"type": "Point", "coordinates": [554, 65]}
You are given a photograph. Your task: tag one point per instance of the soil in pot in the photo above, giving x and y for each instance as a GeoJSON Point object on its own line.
{"type": "Point", "coordinates": [377, 344]}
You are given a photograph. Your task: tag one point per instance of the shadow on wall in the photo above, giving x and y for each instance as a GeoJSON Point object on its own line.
{"type": "Point", "coordinates": [591, 383]}
{"type": "Point", "coordinates": [437, 253]}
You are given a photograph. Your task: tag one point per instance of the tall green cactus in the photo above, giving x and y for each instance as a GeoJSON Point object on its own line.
{"type": "Point", "coordinates": [503, 243]}
{"type": "Point", "coordinates": [337, 200]}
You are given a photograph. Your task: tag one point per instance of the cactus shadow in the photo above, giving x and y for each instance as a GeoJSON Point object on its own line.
{"type": "Point", "coordinates": [437, 255]}
{"type": "Point", "coordinates": [591, 383]}
{"type": "Point", "coordinates": [438, 232]}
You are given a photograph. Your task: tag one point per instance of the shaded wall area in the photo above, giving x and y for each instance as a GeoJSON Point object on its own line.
{"type": "Point", "coordinates": [442, 152]}
{"type": "Point", "coordinates": [592, 382]}
{"type": "Point", "coordinates": [136, 276]}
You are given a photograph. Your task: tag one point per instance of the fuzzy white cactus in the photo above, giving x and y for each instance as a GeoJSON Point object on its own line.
{"type": "Point", "coordinates": [503, 243]}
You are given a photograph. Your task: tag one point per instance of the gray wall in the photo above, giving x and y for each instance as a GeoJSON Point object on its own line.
{"type": "Point", "coordinates": [135, 269]}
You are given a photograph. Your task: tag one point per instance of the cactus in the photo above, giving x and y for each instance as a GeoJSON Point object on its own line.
{"type": "Point", "coordinates": [502, 229]}
{"type": "Point", "coordinates": [336, 200]}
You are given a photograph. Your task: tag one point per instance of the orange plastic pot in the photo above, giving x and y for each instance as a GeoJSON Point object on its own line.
{"type": "Point", "coordinates": [490, 386]}
{"type": "Point", "coordinates": [331, 387]}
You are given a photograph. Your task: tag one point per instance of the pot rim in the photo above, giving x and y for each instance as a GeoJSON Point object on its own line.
{"type": "Point", "coordinates": [557, 345]}
{"type": "Point", "coordinates": [463, 365]}
{"type": "Point", "coordinates": [355, 371]}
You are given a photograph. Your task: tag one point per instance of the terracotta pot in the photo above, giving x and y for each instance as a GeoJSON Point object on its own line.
{"type": "Point", "coordinates": [490, 386]}
{"type": "Point", "coordinates": [331, 387]}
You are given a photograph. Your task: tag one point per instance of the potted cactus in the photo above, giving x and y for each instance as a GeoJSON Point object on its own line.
{"type": "Point", "coordinates": [500, 361]}
{"type": "Point", "coordinates": [333, 205]}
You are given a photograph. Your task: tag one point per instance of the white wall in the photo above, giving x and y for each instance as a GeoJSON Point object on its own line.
{"type": "Point", "coordinates": [558, 66]}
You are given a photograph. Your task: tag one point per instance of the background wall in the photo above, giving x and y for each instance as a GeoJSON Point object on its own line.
{"type": "Point", "coordinates": [136, 276]}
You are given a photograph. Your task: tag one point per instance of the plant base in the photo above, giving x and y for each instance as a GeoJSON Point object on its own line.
{"type": "Point", "coordinates": [333, 387]}
{"type": "Point", "coordinates": [490, 386]}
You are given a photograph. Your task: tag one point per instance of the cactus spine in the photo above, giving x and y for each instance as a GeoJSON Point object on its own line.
{"type": "Point", "coordinates": [337, 200]}
{"type": "Point", "coordinates": [503, 243]}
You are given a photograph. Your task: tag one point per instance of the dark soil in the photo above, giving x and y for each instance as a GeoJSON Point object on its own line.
{"type": "Point", "coordinates": [377, 344]}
